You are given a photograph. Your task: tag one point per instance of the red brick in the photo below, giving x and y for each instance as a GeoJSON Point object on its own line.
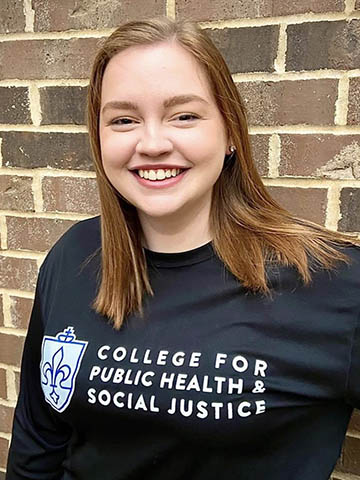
{"type": "Point", "coordinates": [35, 233]}
{"type": "Point", "coordinates": [20, 311]}
{"type": "Point", "coordinates": [48, 58]}
{"type": "Point", "coordinates": [18, 273]}
{"type": "Point", "coordinates": [202, 10]}
{"type": "Point", "coordinates": [355, 421]}
{"type": "Point", "coordinates": [11, 349]}
{"type": "Point", "coordinates": [4, 447]}
{"type": "Point", "coordinates": [349, 209]}
{"type": "Point", "coordinates": [3, 388]}
{"type": "Point", "coordinates": [260, 152]}
{"type": "Point", "coordinates": [324, 156]}
{"type": "Point", "coordinates": [292, 7]}
{"type": "Point", "coordinates": [16, 193]}
{"type": "Point", "coordinates": [6, 418]}
{"type": "Point", "coordinates": [309, 203]}
{"type": "Point", "coordinates": [290, 102]}
{"type": "Point", "coordinates": [317, 45]}
{"type": "Point", "coordinates": [69, 194]}
{"type": "Point", "coordinates": [39, 150]}
{"type": "Point", "coordinates": [12, 16]}
{"type": "Point", "coordinates": [53, 15]}
{"type": "Point", "coordinates": [351, 456]}
{"type": "Point", "coordinates": [15, 107]}
{"type": "Point", "coordinates": [63, 105]}
{"type": "Point", "coordinates": [353, 117]}
{"type": "Point", "coordinates": [247, 49]}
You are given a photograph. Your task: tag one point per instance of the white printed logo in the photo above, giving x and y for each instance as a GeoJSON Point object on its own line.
{"type": "Point", "coordinates": [61, 357]}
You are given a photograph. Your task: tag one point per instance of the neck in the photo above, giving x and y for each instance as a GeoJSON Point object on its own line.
{"type": "Point", "coordinates": [176, 233]}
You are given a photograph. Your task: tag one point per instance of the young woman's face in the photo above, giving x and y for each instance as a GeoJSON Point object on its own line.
{"type": "Point", "coordinates": [157, 112]}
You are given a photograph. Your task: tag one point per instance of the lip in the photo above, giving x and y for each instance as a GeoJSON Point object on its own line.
{"type": "Point", "coordinates": [156, 166]}
{"type": "Point", "coordinates": [169, 182]}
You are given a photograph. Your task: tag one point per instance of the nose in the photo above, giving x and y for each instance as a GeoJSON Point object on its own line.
{"type": "Point", "coordinates": [153, 141]}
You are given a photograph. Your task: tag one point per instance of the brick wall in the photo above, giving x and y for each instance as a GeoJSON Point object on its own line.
{"type": "Point", "coordinates": [297, 66]}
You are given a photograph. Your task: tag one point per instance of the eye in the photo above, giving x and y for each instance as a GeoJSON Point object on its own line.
{"type": "Point", "coordinates": [187, 116]}
{"type": "Point", "coordinates": [122, 121]}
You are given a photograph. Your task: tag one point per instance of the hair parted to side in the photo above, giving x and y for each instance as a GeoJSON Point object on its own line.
{"type": "Point", "coordinates": [250, 230]}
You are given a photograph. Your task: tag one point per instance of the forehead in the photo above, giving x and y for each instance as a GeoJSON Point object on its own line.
{"type": "Point", "coordinates": [161, 68]}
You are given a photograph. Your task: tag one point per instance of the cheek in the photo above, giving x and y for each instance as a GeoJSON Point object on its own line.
{"type": "Point", "coordinates": [197, 142]}
{"type": "Point", "coordinates": [114, 150]}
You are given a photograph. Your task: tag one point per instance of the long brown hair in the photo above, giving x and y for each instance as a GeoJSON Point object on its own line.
{"type": "Point", "coordinates": [250, 230]}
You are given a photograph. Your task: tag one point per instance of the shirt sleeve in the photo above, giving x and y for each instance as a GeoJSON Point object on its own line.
{"type": "Point", "coordinates": [39, 439]}
{"type": "Point", "coordinates": [353, 380]}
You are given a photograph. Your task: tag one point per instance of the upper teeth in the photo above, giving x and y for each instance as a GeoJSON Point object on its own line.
{"type": "Point", "coordinates": [159, 174]}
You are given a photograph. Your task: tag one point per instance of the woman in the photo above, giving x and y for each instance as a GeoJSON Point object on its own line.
{"type": "Point", "coordinates": [195, 329]}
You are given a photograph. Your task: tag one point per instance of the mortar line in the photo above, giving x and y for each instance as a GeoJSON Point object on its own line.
{"type": "Point", "coordinates": [37, 192]}
{"type": "Point", "coordinates": [29, 13]}
{"type": "Point", "coordinates": [262, 129]}
{"type": "Point", "coordinates": [24, 255]}
{"type": "Point", "coordinates": [11, 385]}
{"type": "Point", "coordinates": [345, 476]}
{"type": "Point", "coordinates": [7, 403]}
{"type": "Point", "coordinates": [48, 82]}
{"type": "Point", "coordinates": [285, 19]}
{"type": "Point", "coordinates": [301, 182]}
{"type": "Point", "coordinates": [341, 104]}
{"type": "Point", "coordinates": [308, 17]}
{"type": "Point", "coordinates": [48, 215]}
{"type": "Point", "coordinates": [305, 129]}
{"type": "Point", "coordinates": [274, 156]}
{"type": "Point", "coordinates": [6, 310]}
{"type": "Point", "coordinates": [6, 127]}
{"type": "Point", "coordinates": [46, 172]}
{"type": "Point", "coordinates": [17, 332]}
{"type": "Point", "coordinates": [333, 207]}
{"type": "Point", "coordinates": [1, 157]}
{"type": "Point", "coordinates": [5, 366]}
{"type": "Point", "coordinates": [35, 105]}
{"type": "Point", "coordinates": [237, 77]}
{"type": "Point", "coordinates": [58, 35]}
{"type": "Point", "coordinates": [3, 230]}
{"type": "Point", "coordinates": [291, 76]}
{"type": "Point", "coordinates": [171, 9]}
{"type": "Point", "coordinates": [349, 6]}
{"type": "Point", "coordinates": [280, 60]}
{"type": "Point", "coordinates": [17, 293]}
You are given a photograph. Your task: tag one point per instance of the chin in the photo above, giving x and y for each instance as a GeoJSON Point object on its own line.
{"type": "Point", "coordinates": [158, 212]}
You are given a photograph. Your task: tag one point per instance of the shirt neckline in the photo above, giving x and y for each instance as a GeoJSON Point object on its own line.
{"type": "Point", "coordinates": [178, 259]}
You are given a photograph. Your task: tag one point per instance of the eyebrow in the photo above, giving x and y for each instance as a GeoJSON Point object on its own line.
{"type": "Point", "coordinates": [169, 102]}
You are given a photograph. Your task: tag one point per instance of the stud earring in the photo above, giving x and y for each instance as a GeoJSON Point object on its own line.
{"type": "Point", "coordinates": [232, 150]}
{"type": "Point", "coordinates": [228, 158]}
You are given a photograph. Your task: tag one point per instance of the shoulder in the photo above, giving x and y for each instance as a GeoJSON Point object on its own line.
{"type": "Point", "coordinates": [59, 278]}
{"type": "Point", "coordinates": [84, 234]}
{"type": "Point", "coordinates": [79, 242]}
{"type": "Point", "coordinates": [349, 270]}
{"type": "Point", "coordinates": [353, 251]}
{"type": "Point", "coordinates": [340, 283]}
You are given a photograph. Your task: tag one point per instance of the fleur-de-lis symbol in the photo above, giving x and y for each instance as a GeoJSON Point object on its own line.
{"type": "Point", "coordinates": [57, 372]}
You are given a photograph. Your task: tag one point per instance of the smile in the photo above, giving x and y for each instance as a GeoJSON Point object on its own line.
{"type": "Point", "coordinates": [159, 174]}
{"type": "Point", "coordinates": [167, 182]}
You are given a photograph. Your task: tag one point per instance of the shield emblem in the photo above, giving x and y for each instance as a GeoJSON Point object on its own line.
{"type": "Point", "coordinates": [61, 357]}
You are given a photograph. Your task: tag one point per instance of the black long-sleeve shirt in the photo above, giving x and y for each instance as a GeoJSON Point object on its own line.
{"type": "Point", "coordinates": [215, 382]}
